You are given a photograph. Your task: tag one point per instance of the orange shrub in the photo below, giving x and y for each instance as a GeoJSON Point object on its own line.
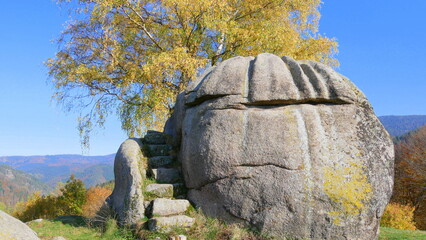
{"type": "Point", "coordinates": [95, 197]}
{"type": "Point", "coordinates": [398, 216]}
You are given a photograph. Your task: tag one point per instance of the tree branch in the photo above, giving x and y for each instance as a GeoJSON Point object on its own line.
{"type": "Point", "coordinates": [142, 26]}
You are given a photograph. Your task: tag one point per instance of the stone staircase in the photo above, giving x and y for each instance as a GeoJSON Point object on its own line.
{"type": "Point", "coordinates": [166, 204]}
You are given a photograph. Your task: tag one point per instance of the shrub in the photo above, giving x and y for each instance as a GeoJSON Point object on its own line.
{"type": "Point", "coordinates": [70, 201]}
{"type": "Point", "coordinates": [398, 216]}
{"type": "Point", "coordinates": [38, 206]}
{"type": "Point", "coordinates": [73, 196]}
{"type": "Point", "coordinates": [95, 198]}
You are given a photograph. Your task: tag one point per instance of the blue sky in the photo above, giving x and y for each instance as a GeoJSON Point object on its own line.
{"type": "Point", "coordinates": [382, 50]}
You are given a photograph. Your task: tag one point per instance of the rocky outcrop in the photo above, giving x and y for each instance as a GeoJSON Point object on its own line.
{"type": "Point", "coordinates": [147, 182]}
{"type": "Point", "coordinates": [290, 147]}
{"type": "Point", "coordinates": [127, 199]}
{"type": "Point", "coordinates": [12, 228]}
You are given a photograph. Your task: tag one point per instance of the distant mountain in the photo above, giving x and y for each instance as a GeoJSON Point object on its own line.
{"type": "Point", "coordinates": [58, 168]}
{"type": "Point", "coordinates": [16, 185]}
{"type": "Point", "coordinates": [400, 125]}
{"type": "Point", "coordinates": [97, 174]}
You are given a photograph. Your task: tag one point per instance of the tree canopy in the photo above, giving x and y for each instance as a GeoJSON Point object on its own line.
{"type": "Point", "coordinates": [132, 57]}
{"type": "Point", "coordinates": [410, 168]}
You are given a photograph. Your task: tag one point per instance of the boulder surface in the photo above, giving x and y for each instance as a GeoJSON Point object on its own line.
{"type": "Point", "coordinates": [126, 200]}
{"type": "Point", "coordinates": [12, 228]}
{"type": "Point", "coordinates": [290, 147]}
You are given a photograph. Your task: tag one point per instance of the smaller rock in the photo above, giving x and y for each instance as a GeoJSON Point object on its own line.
{"type": "Point", "coordinates": [126, 200]}
{"type": "Point", "coordinates": [74, 220]}
{"type": "Point", "coordinates": [160, 190]}
{"type": "Point", "coordinates": [166, 175]}
{"type": "Point", "coordinates": [59, 238]}
{"type": "Point", "coordinates": [158, 149]}
{"type": "Point", "coordinates": [165, 224]}
{"type": "Point", "coordinates": [179, 237]}
{"type": "Point", "coordinates": [35, 220]}
{"type": "Point", "coordinates": [160, 161]}
{"type": "Point", "coordinates": [12, 228]}
{"type": "Point", "coordinates": [154, 137]}
{"type": "Point", "coordinates": [168, 207]}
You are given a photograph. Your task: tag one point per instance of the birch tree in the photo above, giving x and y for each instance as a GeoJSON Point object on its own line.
{"type": "Point", "coordinates": [130, 58]}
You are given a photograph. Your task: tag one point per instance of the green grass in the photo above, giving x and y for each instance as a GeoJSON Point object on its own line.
{"type": "Point", "coordinates": [75, 228]}
{"type": "Point", "coordinates": [206, 228]}
{"type": "Point", "coordinates": [387, 233]}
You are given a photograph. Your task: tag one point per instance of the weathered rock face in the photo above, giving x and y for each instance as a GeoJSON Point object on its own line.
{"type": "Point", "coordinates": [127, 199]}
{"type": "Point", "coordinates": [290, 147]}
{"type": "Point", "coordinates": [12, 228]}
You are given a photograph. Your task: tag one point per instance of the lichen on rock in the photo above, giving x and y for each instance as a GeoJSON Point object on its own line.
{"type": "Point", "coordinates": [348, 186]}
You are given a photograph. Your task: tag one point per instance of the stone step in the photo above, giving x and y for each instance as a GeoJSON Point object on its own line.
{"type": "Point", "coordinates": [166, 224]}
{"type": "Point", "coordinates": [160, 190]}
{"type": "Point", "coordinates": [166, 175]}
{"type": "Point", "coordinates": [155, 150]}
{"type": "Point", "coordinates": [154, 137]}
{"type": "Point", "coordinates": [163, 190]}
{"type": "Point", "coordinates": [160, 161]}
{"type": "Point", "coordinates": [167, 207]}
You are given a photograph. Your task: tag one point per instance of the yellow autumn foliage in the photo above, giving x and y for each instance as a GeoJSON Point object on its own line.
{"type": "Point", "coordinates": [39, 206]}
{"type": "Point", "coordinates": [398, 216]}
{"type": "Point", "coordinates": [69, 201]}
{"type": "Point", "coordinates": [132, 58]}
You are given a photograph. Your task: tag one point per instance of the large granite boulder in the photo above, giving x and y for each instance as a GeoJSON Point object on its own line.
{"type": "Point", "coordinates": [126, 200]}
{"type": "Point", "coordinates": [12, 228]}
{"type": "Point", "coordinates": [289, 147]}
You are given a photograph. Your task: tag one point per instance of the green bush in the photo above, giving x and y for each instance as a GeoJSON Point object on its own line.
{"type": "Point", "coordinates": [73, 196]}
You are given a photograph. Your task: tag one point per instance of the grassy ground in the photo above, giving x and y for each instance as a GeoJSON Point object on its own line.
{"type": "Point", "coordinates": [74, 228]}
{"type": "Point", "coordinates": [397, 234]}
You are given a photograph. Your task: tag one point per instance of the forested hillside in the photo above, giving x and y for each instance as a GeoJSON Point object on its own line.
{"type": "Point", "coordinates": [400, 125]}
{"type": "Point", "coordinates": [16, 185]}
{"type": "Point", "coordinates": [410, 174]}
{"type": "Point", "coordinates": [96, 174]}
{"type": "Point", "coordinates": [57, 168]}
